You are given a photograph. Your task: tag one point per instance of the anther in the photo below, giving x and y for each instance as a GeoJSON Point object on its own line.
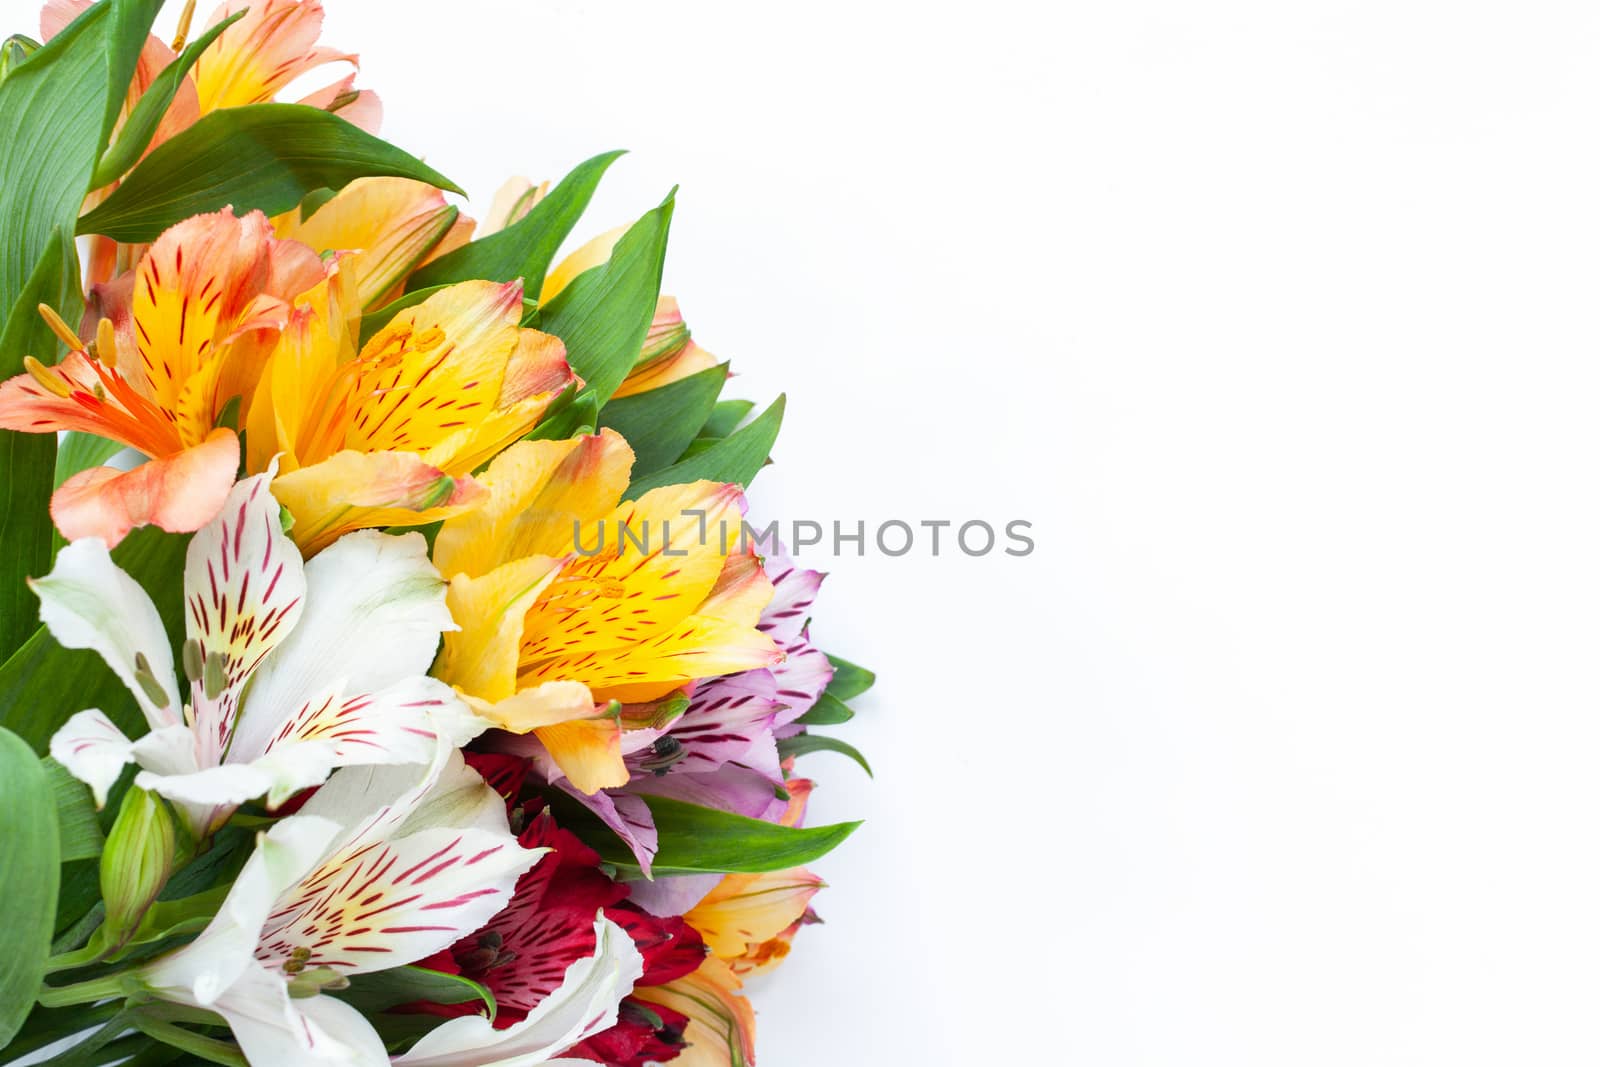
{"type": "Point", "coordinates": [147, 681]}
{"type": "Point", "coordinates": [105, 343]}
{"type": "Point", "coordinates": [181, 38]}
{"type": "Point", "coordinates": [215, 674]}
{"type": "Point", "coordinates": [51, 381]}
{"type": "Point", "coordinates": [59, 327]}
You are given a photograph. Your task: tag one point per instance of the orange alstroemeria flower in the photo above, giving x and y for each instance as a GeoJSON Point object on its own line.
{"type": "Point", "coordinates": [570, 598]}
{"type": "Point", "coordinates": [182, 337]}
{"type": "Point", "coordinates": [389, 434]}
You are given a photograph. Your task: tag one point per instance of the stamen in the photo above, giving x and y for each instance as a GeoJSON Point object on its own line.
{"type": "Point", "coordinates": [193, 662]}
{"type": "Point", "coordinates": [147, 681]}
{"type": "Point", "coordinates": [105, 343]}
{"type": "Point", "coordinates": [215, 674]}
{"type": "Point", "coordinates": [181, 38]}
{"type": "Point", "coordinates": [59, 327]}
{"type": "Point", "coordinates": [49, 379]}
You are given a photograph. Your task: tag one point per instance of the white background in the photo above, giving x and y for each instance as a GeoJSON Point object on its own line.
{"type": "Point", "coordinates": [1278, 320]}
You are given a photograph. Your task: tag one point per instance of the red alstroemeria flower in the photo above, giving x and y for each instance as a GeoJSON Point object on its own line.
{"type": "Point", "coordinates": [522, 954]}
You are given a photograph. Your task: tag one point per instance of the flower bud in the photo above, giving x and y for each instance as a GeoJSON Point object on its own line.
{"type": "Point", "coordinates": [138, 858]}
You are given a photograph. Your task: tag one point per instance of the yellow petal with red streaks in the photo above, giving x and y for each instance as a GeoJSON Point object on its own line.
{"type": "Point", "coordinates": [480, 659]}
{"type": "Point", "coordinates": [697, 647]}
{"type": "Point", "coordinates": [392, 222]}
{"type": "Point", "coordinates": [209, 285]}
{"type": "Point", "coordinates": [275, 43]}
{"type": "Point", "coordinates": [179, 493]}
{"type": "Point", "coordinates": [539, 491]}
{"type": "Point", "coordinates": [435, 369]}
{"type": "Point", "coordinates": [588, 751]}
{"type": "Point", "coordinates": [535, 374]}
{"type": "Point", "coordinates": [747, 909]}
{"type": "Point", "coordinates": [366, 490]}
{"type": "Point", "coordinates": [722, 1025]}
{"type": "Point", "coordinates": [545, 705]}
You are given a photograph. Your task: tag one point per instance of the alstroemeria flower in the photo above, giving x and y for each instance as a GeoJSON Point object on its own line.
{"type": "Point", "coordinates": [521, 954]}
{"type": "Point", "coordinates": [721, 752]}
{"type": "Point", "coordinates": [189, 328]}
{"type": "Point", "coordinates": [383, 866]}
{"type": "Point", "coordinates": [389, 435]}
{"type": "Point", "coordinates": [391, 225]}
{"type": "Point", "coordinates": [293, 668]}
{"type": "Point", "coordinates": [555, 632]}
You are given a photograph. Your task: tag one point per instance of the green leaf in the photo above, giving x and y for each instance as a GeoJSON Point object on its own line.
{"type": "Point", "coordinates": [603, 314]}
{"type": "Point", "coordinates": [81, 838]}
{"type": "Point", "coordinates": [849, 680]}
{"type": "Point", "coordinates": [79, 451]}
{"type": "Point", "coordinates": [262, 157]}
{"type": "Point", "coordinates": [737, 458]}
{"type": "Point", "coordinates": [696, 840]}
{"type": "Point", "coordinates": [42, 685]}
{"type": "Point", "coordinates": [29, 869]}
{"type": "Point", "coordinates": [726, 417]}
{"type": "Point", "coordinates": [152, 107]}
{"type": "Point", "coordinates": [801, 744]}
{"type": "Point", "coordinates": [827, 711]}
{"type": "Point", "coordinates": [660, 423]}
{"type": "Point", "coordinates": [525, 248]}
{"type": "Point", "coordinates": [570, 414]}
{"type": "Point", "coordinates": [402, 985]}
{"type": "Point", "coordinates": [27, 538]}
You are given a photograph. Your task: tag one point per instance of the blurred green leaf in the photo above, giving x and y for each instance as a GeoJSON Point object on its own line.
{"type": "Point", "coordinates": [849, 681]}
{"type": "Point", "coordinates": [263, 157]}
{"type": "Point", "coordinates": [801, 744]}
{"type": "Point", "coordinates": [660, 423]}
{"type": "Point", "coordinates": [152, 107]}
{"type": "Point", "coordinates": [603, 314]}
{"type": "Point", "coordinates": [30, 858]}
{"type": "Point", "coordinates": [737, 458]}
{"type": "Point", "coordinates": [372, 993]}
{"type": "Point", "coordinates": [79, 451]}
{"type": "Point", "coordinates": [525, 248]}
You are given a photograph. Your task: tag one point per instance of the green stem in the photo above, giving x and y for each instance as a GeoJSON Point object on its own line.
{"type": "Point", "coordinates": [105, 987]}
{"type": "Point", "coordinates": [207, 1048]}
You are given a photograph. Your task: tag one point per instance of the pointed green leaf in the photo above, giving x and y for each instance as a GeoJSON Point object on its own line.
{"type": "Point", "coordinates": [525, 248]}
{"type": "Point", "coordinates": [849, 681]}
{"type": "Point", "coordinates": [726, 417]}
{"type": "Point", "coordinates": [152, 107]}
{"type": "Point", "coordinates": [81, 837]}
{"type": "Point", "coordinates": [603, 314]}
{"type": "Point", "coordinates": [263, 157]}
{"type": "Point", "coordinates": [660, 423]}
{"type": "Point", "coordinates": [801, 744]}
{"type": "Point", "coordinates": [827, 711]}
{"type": "Point", "coordinates": [733, 459]}
{"type": "Point", "coordinates": [697, 840]}
{"type": "Point", "coordinates": [30, 859]}
{"type": "Point", "coordinates": [79, 451]}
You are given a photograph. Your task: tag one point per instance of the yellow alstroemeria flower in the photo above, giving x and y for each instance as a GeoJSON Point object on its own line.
{"type": "Point", "coordinates": [570, 598]}
{"type": "Point", "coordinates": [388, 435]}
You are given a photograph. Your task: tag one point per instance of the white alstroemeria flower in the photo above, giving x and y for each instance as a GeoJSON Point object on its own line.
{"type": "Point", "coordinates": [384, 866]}
{"type": "Point", "coordinates": [583, 1005]}
{"type": "Point", "coordinates": [334, 652]}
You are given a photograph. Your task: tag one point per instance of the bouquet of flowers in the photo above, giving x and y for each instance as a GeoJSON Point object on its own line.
{"type": "Point", "coordinates": [388, 670]}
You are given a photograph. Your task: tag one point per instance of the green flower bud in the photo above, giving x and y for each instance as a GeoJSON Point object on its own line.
{"type": "Point", "coordinates": [138, 858]}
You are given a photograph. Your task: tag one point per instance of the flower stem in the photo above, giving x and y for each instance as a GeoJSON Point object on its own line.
{"type": "Point", "coordinates": [105, 987]}
{"type": "Point", "coordinates": [207, 1048]}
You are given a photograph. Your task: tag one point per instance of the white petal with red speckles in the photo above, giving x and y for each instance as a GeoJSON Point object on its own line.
{"type": "Point", "coordinates": [93, 751]}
